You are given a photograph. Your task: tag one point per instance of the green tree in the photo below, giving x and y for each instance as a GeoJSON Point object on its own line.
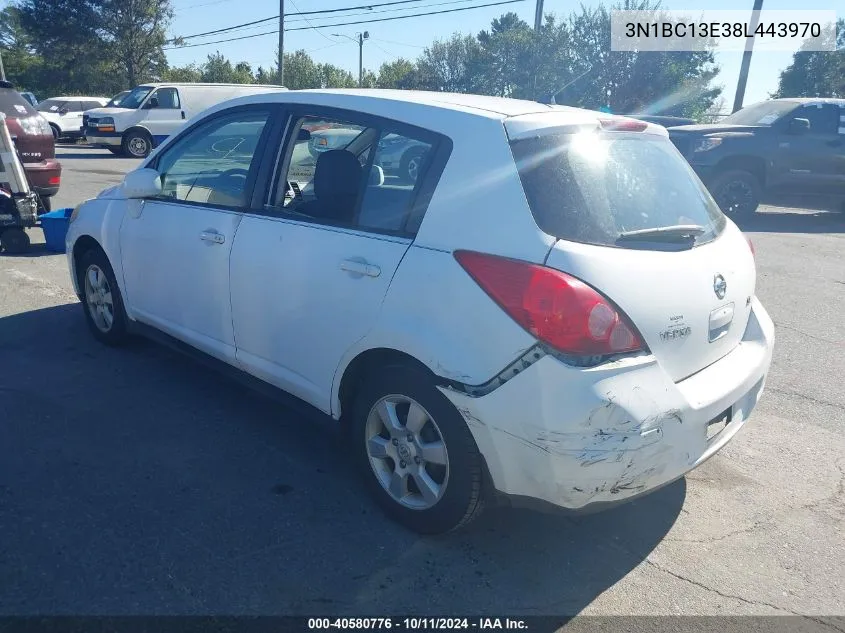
{"type": "Point", "coordinates": [817, 73]}
{"type": "Point", "coordinates": [301, 71]}
{"type": "Point", "coordinates": [332, 76]}
{"type": "Point", "coordinates": [448, 66]}
{"type": "Point", "coordinates": [190, 73]}
{"type": "Point", "coordinates": [391, 74]}
{"type": "Point", "coordinates": [20, 61]}
{"type": "Point", "coordinates": [135, 30]}
{"type": "Point", "coordinates": [672, 83]}
{"type": "Point", "coordinates": [66, 35]}
{"type": "Point", "coordinates": [506, 58]}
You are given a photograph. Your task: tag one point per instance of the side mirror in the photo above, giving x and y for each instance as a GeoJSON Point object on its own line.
{"type": "Point", "coordinates": [152, 103]}
{"type": "Point", "coordinates": [799, 126]}
{"type": "Point", "coordinates": [63, 111]}
{"type": "Point", "coordinates": [141, 183]}
{"type": "Point", "coordinates": [304, 135]}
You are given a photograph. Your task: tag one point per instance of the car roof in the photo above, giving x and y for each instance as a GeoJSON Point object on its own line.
{"type": "Point", "coordinates": [78, 98]}
{"type": "Point", "coordinates": [840, 102]}
{"type": "Point", "coordinates": [363, 99]}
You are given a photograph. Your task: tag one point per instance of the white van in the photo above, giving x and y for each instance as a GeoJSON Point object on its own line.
{"type": "Point", "coordinates": [152, 112]}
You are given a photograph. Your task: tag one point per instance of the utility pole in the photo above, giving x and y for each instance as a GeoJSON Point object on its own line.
{"type": "Point", "coordinates": [281, 42]}
{"type": "Point", "coordinates": [746, 58]}
{"type": "Point", "coordinates": [361, 37]}
{"type": "Point", "coordinates": [2, 70]}
{"type": "Point", "coordinates": [360, 41]}
{"type": "Point", "coordinates": [538, 16]}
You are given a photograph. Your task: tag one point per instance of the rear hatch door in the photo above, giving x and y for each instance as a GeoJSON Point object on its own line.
{"type": "Point", "coordinates": [635, 222]}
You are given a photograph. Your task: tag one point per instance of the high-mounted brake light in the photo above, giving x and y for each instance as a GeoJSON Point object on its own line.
{"type": "Point", "coordinates": [557, 308]}
{"type": "Point", "coordinates": [621, 124]}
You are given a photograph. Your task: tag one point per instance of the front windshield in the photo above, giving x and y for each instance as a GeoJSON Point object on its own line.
{"type": "Point", "coordinates": [117, 99]}
{"type": "Point", "coordinates": [764, 113]}
{"type": "Point", "coordinates": [51, 105]}
{"type": "Point", "coordinates": [135, 97]}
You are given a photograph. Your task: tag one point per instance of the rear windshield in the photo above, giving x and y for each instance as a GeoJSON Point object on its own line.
{"type": "Point", "coordinates": [14, 105]}
{"type": "Point", "coordinates": [598, 188]}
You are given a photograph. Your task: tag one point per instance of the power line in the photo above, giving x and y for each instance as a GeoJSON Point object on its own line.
{"type": "Point", "coordinates": [310, 24]}
{"type": "Point", "coordinates": [403, 17]}
{"type": "Point", "coordinates": [276, 17]}
{"type": "Point", "coordinates": [327, 26]}
{"type": "Point", "coordinates": [353, 15]}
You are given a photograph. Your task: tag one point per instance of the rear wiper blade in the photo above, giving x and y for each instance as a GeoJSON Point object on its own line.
{"type": "Point", "coordinates": [668, 233]}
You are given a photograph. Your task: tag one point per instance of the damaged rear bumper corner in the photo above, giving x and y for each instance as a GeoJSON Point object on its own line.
{"type": "Point", "coordinates": [585, 439]}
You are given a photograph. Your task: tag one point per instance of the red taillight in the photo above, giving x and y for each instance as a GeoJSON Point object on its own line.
{"type": "Point", "coordinates": [55, 180]}
{"type": "Point", "coordinates": [622, 124]}
{"type": "Point", "coordinates": [558, 309]}
{"type": "Point", "coordinates": [751, 246]}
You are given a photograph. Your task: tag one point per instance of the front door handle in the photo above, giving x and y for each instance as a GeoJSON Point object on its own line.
{"type": "Point", "coordinates": [183, 114]}
{"type": "Point", "coordinates": [360, 268]}
{"type": "Point", "coordinates": [212, 236]}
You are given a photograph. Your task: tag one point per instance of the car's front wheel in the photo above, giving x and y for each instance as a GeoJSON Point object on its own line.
{"type": "Point", "coordinates": [137, 144]}
{"type": "Point", "coordinates": [101, 299]}
{"type": "Point", "coordinates": [737, 192]}
{"type": "Point", "coordinates": [416, 453]}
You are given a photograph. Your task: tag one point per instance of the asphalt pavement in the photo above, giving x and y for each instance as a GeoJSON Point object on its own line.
{"type": "Point", "coordinates": [135, 481]}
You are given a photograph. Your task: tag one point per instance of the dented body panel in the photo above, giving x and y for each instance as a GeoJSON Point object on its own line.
{"type": "Point", "coordinates": [575, 437]}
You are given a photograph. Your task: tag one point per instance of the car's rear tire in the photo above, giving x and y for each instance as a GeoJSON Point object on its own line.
{"type": "Point", "coordinates": [14, 241]}
{"type": "Point", "coordinates": [737, 192]}
{"type": "Point", "coordinates": [415, 451]}
{"type": "Point", "coordinates": [137, 144]}
{"type": "Point", "coordinates": [101, 298]}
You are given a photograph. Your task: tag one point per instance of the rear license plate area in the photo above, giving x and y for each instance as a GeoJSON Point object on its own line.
{"type": "Point", "coordinates": [718, 424]}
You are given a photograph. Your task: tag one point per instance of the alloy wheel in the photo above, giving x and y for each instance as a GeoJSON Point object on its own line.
{"type": "Point", "coordinates": [407, 452]}
{"type": "Point", "coordinates": [98, 297]}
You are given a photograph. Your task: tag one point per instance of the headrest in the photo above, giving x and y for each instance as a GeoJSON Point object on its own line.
{"type": "Point", "coordinates": [337, 174]}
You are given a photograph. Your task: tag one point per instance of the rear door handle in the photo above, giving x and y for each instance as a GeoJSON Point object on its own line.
{"type": "Point", "coordinates": [183, 114]}
{"type": "Point", "coordinates": [360, 268]}
{"type": "Point", "coordinates": [212, 236]}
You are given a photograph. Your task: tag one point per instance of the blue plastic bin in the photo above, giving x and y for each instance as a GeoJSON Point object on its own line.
{"type": "Point", "coordinates": [54, 225]}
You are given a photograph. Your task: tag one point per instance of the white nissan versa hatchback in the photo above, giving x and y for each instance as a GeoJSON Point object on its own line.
{"type": "Point", "coordinates": [554, 309]}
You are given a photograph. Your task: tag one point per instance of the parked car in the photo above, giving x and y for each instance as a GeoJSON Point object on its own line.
{"type": "Point", "coordinates": [64, 114]}
{"type": "Point", "coordinates": [152, 112]}
{"type": "Point", "coordinates": [30, 98]}
{"type": "Point", "coordinates": [556, 310]}
{"type": "Point", "coordinates": [34, 141]}
{"type": "Point", "coordinates": [398, 155]}
{"type": "Point", "coordinates": [782, 146]}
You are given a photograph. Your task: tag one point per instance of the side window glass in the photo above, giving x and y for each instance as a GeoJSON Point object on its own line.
{"type": "Point", "coordinates": [211, 164]}
{"type": "Point", "coordinates": [325, 169]}
{"type": "Point", "coordinates": [823, 118]}
{"type": "Point", "coordinates": [168, 98]}
{"type": "Point", "coordinates": [399, 164]}
{"type": "Point", "coordinates": [76, 106]}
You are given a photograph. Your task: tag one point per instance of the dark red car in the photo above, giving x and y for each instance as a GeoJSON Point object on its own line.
{"type": "Point", "coordinates": [34, 140]}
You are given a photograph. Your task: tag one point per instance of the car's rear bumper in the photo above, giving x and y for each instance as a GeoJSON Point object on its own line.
{"type": "Point", "coordinates": [583, 439]}
{"type": "Point", "coordinates": [44, 176]}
